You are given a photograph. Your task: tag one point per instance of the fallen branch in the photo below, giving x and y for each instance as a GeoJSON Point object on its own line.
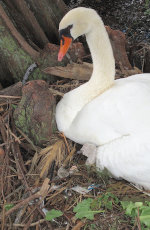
{"type": "Point", "coordinates": [72, 71]}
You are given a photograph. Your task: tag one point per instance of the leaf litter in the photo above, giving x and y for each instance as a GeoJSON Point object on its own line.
{"type": "Point", "coordinates": [42, 187]}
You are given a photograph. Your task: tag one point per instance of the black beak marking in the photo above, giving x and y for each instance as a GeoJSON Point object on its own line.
{"type": "Point", "coordinates": [65, 32]}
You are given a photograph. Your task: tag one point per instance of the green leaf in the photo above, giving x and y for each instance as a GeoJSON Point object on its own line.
{"type": "Point", "coordinates": [138, 204]}
{"type": "Point", "coordinates": [108, 199]}
{"type": "Point", "coordinates": [145, 216]}
{"type": "Point", "coordinates": [144, 211]}
{"type": "Point", "coordinates": [131, 208]}
{"type": "Point", "coordinates": [148, 203]}
{"type": "Point", "coordinates": [8, 206]}
{"type": "Point", "coordinates": [83, 209]}
{"type": "Point", "coordinates": [14, 106]}
{"type": "Point", "coordinates": [50, 215]}
{"type": "Point", "coordinates": [145, 220]}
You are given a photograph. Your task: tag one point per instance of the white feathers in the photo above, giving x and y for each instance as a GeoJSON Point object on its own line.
{"type": "Point", "coordinates": [113, 115]}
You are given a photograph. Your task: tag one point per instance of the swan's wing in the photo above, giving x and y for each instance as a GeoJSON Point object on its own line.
{"type": "Point", "coordinates": [127, 157]}
{"type": "Point", "coordinates": [121, 110]}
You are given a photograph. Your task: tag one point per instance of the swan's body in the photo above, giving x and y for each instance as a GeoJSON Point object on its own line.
{"type": "Point", "coordinates": [113, 115]}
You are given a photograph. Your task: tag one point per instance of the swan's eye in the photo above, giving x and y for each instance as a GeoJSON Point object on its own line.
{"type": "Point", "coordinates": [65, 32]}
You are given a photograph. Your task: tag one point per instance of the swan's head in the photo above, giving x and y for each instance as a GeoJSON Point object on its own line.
{"type": "Point", "coordinates": [74, 24]}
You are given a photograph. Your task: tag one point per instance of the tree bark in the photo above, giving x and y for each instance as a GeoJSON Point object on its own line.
{"type": "Point", "coordinates": [12, 56]}
{"type": "Point", "coordinates": [23, 37]}
{"type": "Point", "coordinates": [48, 13]}
{"type": "Point", "coordinates": [26, 22]}
{"type": "Point", "coordinates": [17, 35]}
{"type": "Point", "coordinates": [17, 55]}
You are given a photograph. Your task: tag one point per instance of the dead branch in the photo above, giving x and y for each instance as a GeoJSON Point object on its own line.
{"type": "Point", "coordinates": [71, 71]}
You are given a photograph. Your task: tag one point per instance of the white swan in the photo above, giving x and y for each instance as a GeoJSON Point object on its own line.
{"type": "Point", "coordinates": [113, 115]}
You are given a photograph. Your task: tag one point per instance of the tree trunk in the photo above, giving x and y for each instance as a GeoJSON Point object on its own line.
{"type": "Point", "coordinates": [23, 37]}
{"type": "Point", "coordinates": [48, 13]}
{"type": "Point", "coordinates": [26, 22]}
{"type": "Point", "coordinates": [13, 57]}
{"type": "Point", "coordinates": [17, 55]}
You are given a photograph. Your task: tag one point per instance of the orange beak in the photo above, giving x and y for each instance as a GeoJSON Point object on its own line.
{"type": "Point", "coordinates": [64, 46]}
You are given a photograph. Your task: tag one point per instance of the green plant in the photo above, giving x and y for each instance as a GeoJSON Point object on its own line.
{"type": "Point", "coordinates": [90, 226]}
{"type": "Point", "coordinates": [83, 209]}
{"type": "Point", "coordinates": [134, 209]}
{"type": "Point", "coordinates": [8, 206]}
{"type": "Point", "coordinates": [89, 207]}
{"type": "Point", "coordinates": [52, 214]}
{"type": "Point", "coordinates": [147, 6]}
{"type": "Point", "coordinates": [105, 201]}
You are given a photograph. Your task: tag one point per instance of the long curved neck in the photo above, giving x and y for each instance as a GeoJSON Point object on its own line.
{"type": "Point", "coordinates": [102, 77]}
{"type": "Point", "coordinates": [103, 66]}
{"type": "Point", "coordinates": [102, 56]}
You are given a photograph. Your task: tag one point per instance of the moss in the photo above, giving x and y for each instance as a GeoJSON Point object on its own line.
{"type": "Point", "coordinates": [18, 59]}
{"type": "Point", "coordinates": [39, 136]}
{"type": "Point", "coordinates": [20, 121]}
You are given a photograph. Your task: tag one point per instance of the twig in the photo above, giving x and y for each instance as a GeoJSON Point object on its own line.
{"type": "Point", "coordinates": [10, 97]}
{"type": "Point", "coordinates": [79, 225]}
{"type": "Point", "coordinates": [69, 156]}
{"type": "Point", "coordinates": [42, 193]}
{"type": "Point", "coordinates": [11, 133]}
{"type": "Point", "coordinates": [18, 153]}
{"type": "Point", "coordinates": [22, 203]}
{"type": "Point", "coordinates": [19, 162]}
{"type": "Point", "coordinates": [56, 193]}
{"type": "Point", "coordinates": [31, 225]}
{"type": "Point", "coordinates": [56, 92]}
{"type": "Point", "coordinates": [62, 135]}
{"type": "Point", "coordinates": [138, 220]}
{"type": "Point", "coordinates": [12, 193]}
{"type": "Point", "coordinates": [146, 193]}
{"type": "Point", "coordinates": [3, 130]}
{"type": "Point", "coordinates": [27, 225]}
{"type": "Point", "coordinates": [25, 136]}
{"type": "Point", "coordinates": [48, 223]}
